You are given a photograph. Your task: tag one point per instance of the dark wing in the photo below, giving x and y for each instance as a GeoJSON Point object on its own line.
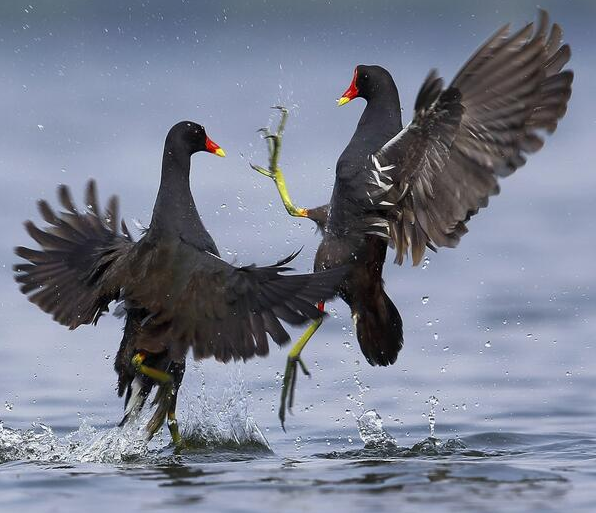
{"type": "Point", "coordinates": [67, 276]}
{"type": "Point", "coordinates": [427, 182]}
{"type": "Point", "coordinates": [225, 311]}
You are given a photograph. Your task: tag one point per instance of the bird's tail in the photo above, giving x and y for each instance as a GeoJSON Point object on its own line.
{"type": "Point", "coordinates": [378, 328]}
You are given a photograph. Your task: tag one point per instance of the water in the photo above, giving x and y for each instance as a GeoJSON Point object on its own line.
{"type": "Point", "coordinates": [490, 406]}
{"type": "Point", "coordinates": [541, 472]}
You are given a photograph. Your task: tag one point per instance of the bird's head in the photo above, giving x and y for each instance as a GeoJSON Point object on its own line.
{"type": "Point", "coordinates": [367, 82]}
{"type": "Point", "coordinates": [191, 137]}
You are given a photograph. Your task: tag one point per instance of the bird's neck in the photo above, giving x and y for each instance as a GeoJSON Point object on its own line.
{"type": "Point", "coordinates": [380, 121]}
{"type": "Point", "coordinates": [175, 212]}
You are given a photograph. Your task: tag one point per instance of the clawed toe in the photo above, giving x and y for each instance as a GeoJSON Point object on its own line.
{"type": "Point", "coordinates": [289, 386]}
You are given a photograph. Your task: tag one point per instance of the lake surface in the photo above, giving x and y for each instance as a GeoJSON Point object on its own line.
{"type": "Point", "coordinates": [499, 333]}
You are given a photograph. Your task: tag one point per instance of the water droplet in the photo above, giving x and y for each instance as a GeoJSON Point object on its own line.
{"type": "Point", "coordinates": [446, 348]}
{"type": "Point", "coordinates": [568, 373]}
{"type": "Point", "coordinates": [436, 336]}
{"type": "Point", "coordinates": [425, 262]}
{"type": "Point", "coordinates": [223, 206]}
{"type": "Point", "coordinates": [487, 343]}
{"type": "Point", "coordinates": [443, 370]}
{"type": "Point", "coordinates": [424, 300]}
{"type": "Point", "coordinates": [433, 401]}
{"type": "Point", "coordinates": [8, 406]}
{"type": "Point", "coordinates": [41, 127]}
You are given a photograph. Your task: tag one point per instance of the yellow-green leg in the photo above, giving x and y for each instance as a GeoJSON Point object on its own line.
{"type": "Point", "coordinates": [155, 374]}
{"type": "Point", "coordinates": [165, 398]}
{"type": "Point", "coordinates": [274, 172]}
{"type": "Point", "coordinates": [290, 375]}
{"type": "Point", "coordinates": [173, 427]}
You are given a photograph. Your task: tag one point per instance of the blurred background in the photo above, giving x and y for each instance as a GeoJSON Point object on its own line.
{"type": "Point", "coordinates": [500, 330]}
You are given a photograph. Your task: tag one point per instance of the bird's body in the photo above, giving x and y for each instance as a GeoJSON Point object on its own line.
{"type": "Point", "coordinates": [345, 242]}
{"type": "Point", "coordinates": [176, 290]}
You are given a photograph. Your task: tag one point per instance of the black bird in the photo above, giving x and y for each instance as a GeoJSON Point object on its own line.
{"type": "Point", "coordinates": [176, 291]}
{"type": "Point", "coordinates": [416, 187]}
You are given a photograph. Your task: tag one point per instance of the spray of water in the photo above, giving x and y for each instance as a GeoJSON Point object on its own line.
{"type": "Point", "coordinates": [216, 417]}
{"type": "Point", "coordinates": [86, 444]}
{"type": "Point", "coordinates": [219, 414]}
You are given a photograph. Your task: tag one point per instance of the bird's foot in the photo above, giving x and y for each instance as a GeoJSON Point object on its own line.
{"type": "Point", "coordinates": [289, 386]}
{"type": "Point", "coordinates": [273, 171]}
{"type": "Point", "coordinates": [294, 359]}
{"type": "Point", "coordinates": [165, 398]}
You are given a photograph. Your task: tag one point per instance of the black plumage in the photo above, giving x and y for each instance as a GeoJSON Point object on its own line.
{"type": "Point", "coordinates": [176, 290]}
{"type": "Point", "coordinates": [416, 187]}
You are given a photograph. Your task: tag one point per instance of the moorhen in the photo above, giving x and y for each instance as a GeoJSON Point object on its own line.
{"type": "Point", "coordinates": [175, 290]}
{"type": "Point", "coordinates": [416, 187]}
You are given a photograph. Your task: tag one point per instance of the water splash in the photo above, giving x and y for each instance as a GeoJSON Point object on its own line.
{"type": "Point", "coordinates": [221, 423]}
{"type": "Point", "coordinates": [220, 414]}
{"type": "Point", "coordinates": [87, 444]}
{"type": "Point", "coordinates": [371, 430]}
{"type": "Point", "coordinates": [378, 443]}
{"type": "Point", "coordinates": [381, 443]}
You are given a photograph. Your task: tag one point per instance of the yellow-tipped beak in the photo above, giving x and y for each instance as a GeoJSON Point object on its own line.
{"type": "Point", "coordinates": [220, 153]}
{"type": "Point", "coordinates": [343, 100]}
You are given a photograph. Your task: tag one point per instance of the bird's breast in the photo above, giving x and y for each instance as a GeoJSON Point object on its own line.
{"type": "Point", "coordinates": [335, 251]}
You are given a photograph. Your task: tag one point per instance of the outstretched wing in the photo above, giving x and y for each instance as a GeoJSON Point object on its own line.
{"type": "Point", "coordinates": [67, 277]}
{"type": "Point", "coordinates": [226, 311]}
{"type": "Point", "coordinates": [426, 182]}
{"type": "Point", "coordinates": [192, 297]}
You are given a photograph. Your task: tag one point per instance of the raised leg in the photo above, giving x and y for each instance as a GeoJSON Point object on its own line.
{"type": "Point", "coordinates": [290, 374]}
{"type": "Point", "coordinates": [274, 172]}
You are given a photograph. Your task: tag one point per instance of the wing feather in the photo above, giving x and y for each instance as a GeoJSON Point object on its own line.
{"type": "Point", "coordinates": [67, 278]}
{"type": "Point", "coordinates": [442, 167]}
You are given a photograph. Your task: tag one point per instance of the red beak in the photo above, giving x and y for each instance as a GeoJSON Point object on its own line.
{"type": "Point", "coordinates": [351, 92]}
{"type": "Point", "coordinates": [212, 147]}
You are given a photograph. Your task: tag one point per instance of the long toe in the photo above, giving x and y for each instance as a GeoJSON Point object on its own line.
{"type": "Point", "coordinates": [163, 399]}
